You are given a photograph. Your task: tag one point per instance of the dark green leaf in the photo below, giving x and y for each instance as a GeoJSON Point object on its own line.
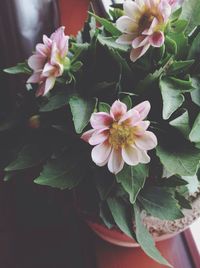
{"type": "Point", "coordinates": [82, 110]}
{"type": "Point", "coordinates": [132, 178]}
{"type": "Point", "coordinates": [56, 101]}
{"type": "Point", "coordinates": [160, 203]}
{"type": "Point", "coordinates": [173, 181]}
{"type": "Point", "coordinates": [76, 66]}
{"type": "Point", "coordinates": [182, 123]}
{"type": "Point", "coordinates": [30, 156]}
{"type": "Point", "coordinates": [64, 172]}
{"type": "Point", "coordinates": [194, 50]}
{"type": "Point", "coordinates": [127, 100]}
{"type": "Point", "coordinates": [179, 66]}
{"type": "Point", "coordinates": [20, 68]}
{"type": "Point", "coordinates": [195, 132]}
{"type": "Point", "coordinates": [183, 162]}
{"type": "Point", "coordinates": [190, 12]}
{"type": "Point", "coordinates": [121, 214]}
{"type": "Point", "coordinates": [172, 97]}
{"type": "Point", "coordinates": [104, 107]}
{"type": "Point", "coordinates": [195, 94]}
{"type": "Point", "coordinates": [170, 45]}
{"type": "Point", "coordinates": [106, 215]}
{"type": "Point", "coordinates": [183, 202]}
{"type": "Point", "coordinates": [111, 43]}
{"type": "Point", "coordinates": [146, 241]}
{"type": "Point", "coordinates": [109, 26]}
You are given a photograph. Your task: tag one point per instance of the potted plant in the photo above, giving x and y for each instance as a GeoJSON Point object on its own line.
{"type": "Point", "coordinates": [114, 114]}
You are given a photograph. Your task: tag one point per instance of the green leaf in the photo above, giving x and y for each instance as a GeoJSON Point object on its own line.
{"type": "Point", "coordinates": [111, 43]}
{"type": "Point", "coordinates": [171, 182]}
{"type": "Point", "coordinates": [179, 66]}
{"type": "Point", "coordinates": [176, 14]}
{"type": "Point", "coordinates": [170, 45]}
{"type": "Point", "coordinates": [146, 241]}
{"type": "Point", "coordinates": [20, 68]}
{"type": "Point", "coordinates": [181, 44]}
{"type": "Point", "coordinates": [194, 50]}
{"type": "Point", "coordinates": [183, 202]}
{"type": "Point", "coordinates": [82, 110]}
{"type": "Point", "coordinates": [183, 162]}
{"type": "Point", "coordinates": [190, 12]}
{"type": "Point", "coordinates": [195, 132]}
{"type": "Point", "coordinates": [30, 156]}
{"type": "Point", "coordinates": [195, 94]}
{"type": "Point", "coordinates": [128, 101]}
{"type": "Point", "coordinates": [132, 178]}
{"type": "Point", "coordinates": [172, 97]}
{"type": "Point", "coordinates": [121, 214]}
{"type": "Point", "coordinates": [179, 26]}
{"type": "Point", "coordinates": [76, 66]}
{"type": "Point", "coordinates": [56, 101]}
{"type": "Point", "coordinates": [104, 107]}
{"type": "Point", "coordinates": [160, 203]}
{"type": "Point", "coordinates": [63, 172]}
{"type": "Point", "coordinates": [182, 123]}
{"type": "Point", "coordinates": [106, 215]}
{"type": "Point", "coordinates": [109, 26]}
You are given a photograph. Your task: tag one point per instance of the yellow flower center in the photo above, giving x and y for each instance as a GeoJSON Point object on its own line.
{"type": "Point", "coordinates": [121, 135]}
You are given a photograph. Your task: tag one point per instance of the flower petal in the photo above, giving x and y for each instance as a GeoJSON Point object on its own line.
{"type": "Point", "coordinates": [140, 41]}
{"type": "Point", "coordinates": [132, 10]}
{"type": "Point", "coordinates": [141, 127]}
{"type": "Point", "coordinates": [101, 153]}
{"type": "Point", "coordinates": [125, 39]}
{"type": "Point", "coordinates": [126, 25]}
{"type": "Point", "coordinates": [131, 118]}
{"type": "Point", "coordinates": [157, 39]}
{"type": "Point", "coordinates": [47, 41]}
{"type": "Point", "coordinates": [36, 62]}
{"type": "Point", "coordinates": [138, 52]}
{"type": "Point", "coordinates": [115, 162]}
{"type": "Point", "coordinates": [99, 136]}
{"type": "Point", "coordinates": [87, 135]}
{"type": "Point", "coordinates": [40, 90]}
{"type": "Point", "coordinates": [147, 141]}
{"type": "Point", "coordinates": [130, 155]}
{"type": "Point", "coordinates": [34, 78]}
{"type": "Point", "coordinates": [49, 84]}
{"type": "Point", "coordinates": [48, 70]}
{"type": "Point", "coordinates": [61, 40]}
{"type": "Point", "coordinates": [143, 109]}
{"type": "Point", "coordinates": [101, 120]}
{"type": "Point", "coordinates": [42, 49]}
{"type": "Point", "coordinates": [165, 9]}
{"type": "Point", "coordinates": [143, 157]}
{"type": "Point", "coordinates": [118, 109]}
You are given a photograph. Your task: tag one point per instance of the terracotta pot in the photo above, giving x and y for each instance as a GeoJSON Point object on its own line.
{"type": "Point", "coordinates": [159, 229]}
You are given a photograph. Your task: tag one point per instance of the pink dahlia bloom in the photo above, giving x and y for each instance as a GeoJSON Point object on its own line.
{"type": "Point", "coordinates": [120, 136]}
{"type": "Point", "coordinates": [48, 61]}
{"type": "Point", "coordinates": [175, 3]}
{"type": "Point", "coordinates": [143, 24]}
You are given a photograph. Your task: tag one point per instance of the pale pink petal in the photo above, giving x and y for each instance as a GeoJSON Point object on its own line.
{"type": "Point", "coordinates": [157, 39]}
{"type": "Point", "coordinates": [143, 157]}
{"type": "Point", "coordinates": [141, 127]}
{"type": "Point", "coordinates": [130, 155]}
{"type": "Point", "coordinates": [48, 70]}
{"type": "Point", "coordinates": [101, 120]}
{"type": "Point", "coordinates": [36, 62]}
{"type": "Point", "coordinates": [165, 10]}
{"type": "Point", "coordinates": [115, 162]}
{"type": "Point", "coordinates": [126, 25]}
{"type": "Point", "coordinates": [61, 40]}
{"type": "Point", "coordinates": [125, 39]}
{"type": "Point", "coordinates": [40, 90]}
{"type": "Point", "coordinates": [143, 109]}
{"type": "Point", "coordinates": [138, 52]}
{"type": "Point", "coordinates": [49, 84]}
{"type": "Point", "coordinates": [131, 118]}
{"type": "Point", "coordinates": [47, 41]}
{"type": "Point", "coordinates": [118, 109]}
{"type": "Point", "coordinates": [99, 136]}
{"type": "Point", "coordinates": [34, 78]}
{"type": "Point", "coordinates": [42, 49]}
{"type": "Point", "coordinates": [101, 153]}
{"type": "Point", "coordinates": [132, 10]}
{"type": "Point", "coordinates": [87, 135]}
{"type": "Point", "coordinates": [140, 3]}
{"type": "Point", "coordinates": [140, 41]}
{"type": "Point", "coordinates": [147, 141]}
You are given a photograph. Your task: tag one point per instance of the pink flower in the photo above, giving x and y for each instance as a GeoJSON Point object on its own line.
{"type": "Point", "coordinates": [120, 136]}
{"type": "Point", "coordinates": [143, 25]}
{"type": "Point", "coordinates": [175, 3]}
{"type": "Point", "coordinates": [48, 61]}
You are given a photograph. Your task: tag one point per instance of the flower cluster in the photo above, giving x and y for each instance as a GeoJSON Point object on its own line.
{"type": "Point", "coordinates": [143, 24]}
{"type": "Point", "coordinates": [49, 60]}
{"type": "Point", "coordinates": [121, 136]}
